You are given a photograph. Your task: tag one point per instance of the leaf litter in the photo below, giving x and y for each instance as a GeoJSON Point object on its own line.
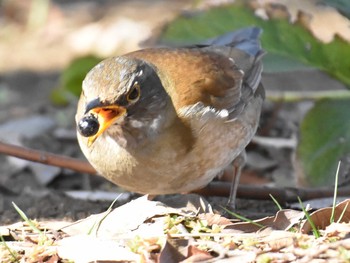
{"type": "Point", "coordinates": [145, 230]}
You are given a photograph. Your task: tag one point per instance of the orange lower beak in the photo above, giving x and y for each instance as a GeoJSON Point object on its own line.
{"type": "Point", "coordinates": [106, 116]}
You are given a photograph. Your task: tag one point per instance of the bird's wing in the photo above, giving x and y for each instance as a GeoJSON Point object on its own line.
{"type": "Point", "coordinates": [223, 73]}
{"type": "Point", "coordinates": [223, 78]}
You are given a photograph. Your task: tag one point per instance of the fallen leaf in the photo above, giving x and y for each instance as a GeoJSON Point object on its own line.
{"type": "Point", "coordinates": [322, 217]}
{"type": "Point", "coordinates": [190, 202]}
{"type": "Point", "coordinates": [283, 220]}
{"type": "Point", "coordinates": [83, 248]}
{"type": "Point", "coordinates": [214, 219]}
{"type": "Point", "coordinates": [196, 255]}
{"type": "Point", "coordinates": [174, 250]}
{"type": "Point", "coordinates": [276, 239]}
{"type": "Point", "coordinates": [338, 229]}
{"type": "Point", "coordinates": [129, 219]}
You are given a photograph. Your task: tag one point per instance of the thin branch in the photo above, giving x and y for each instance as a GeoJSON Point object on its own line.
{"type": "Point", "coordinates": [46, 158]}
{"type": "Point", "coordinates": [283, 195]}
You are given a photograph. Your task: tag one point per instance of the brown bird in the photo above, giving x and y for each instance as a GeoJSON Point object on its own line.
{"type": "Point", "coordinates": [168, 120]}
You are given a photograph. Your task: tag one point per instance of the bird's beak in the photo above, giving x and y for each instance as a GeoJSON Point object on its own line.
{"type": "Point", "coordinates": [106, 116]}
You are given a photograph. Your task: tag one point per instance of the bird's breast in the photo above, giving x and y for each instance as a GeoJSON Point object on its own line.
{"type": "Point", "coordinates": [180, 159]}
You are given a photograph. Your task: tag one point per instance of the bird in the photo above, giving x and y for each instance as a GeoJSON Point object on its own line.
{"type": "Point", "coordinates": [167, 120]}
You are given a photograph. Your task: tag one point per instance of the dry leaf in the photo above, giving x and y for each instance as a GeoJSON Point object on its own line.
{"type": "Point", "coordinates": [215, 219]}
{"type": "Point", "coordinates": [83, 248]}
{"type": "Point", "coordinates": [174, 250]}
{"type": "Point", "coordinates": [283, 220]}
{"type": "Point", "coordinates": [188, 202]}
{"type": "Point", "coordinates": [321, 218]}
{"type": "Point", "coordinates": [196, 255]}
{"type": "Point", "coordinates": [128, 220]}
{"type": "Point", "coordinates": [277, 239]}
{"type": "Point", "coordinates": [338, 229]}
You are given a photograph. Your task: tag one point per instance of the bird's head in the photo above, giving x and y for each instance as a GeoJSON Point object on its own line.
{"type": "Point", "coordinates": [121, 92]}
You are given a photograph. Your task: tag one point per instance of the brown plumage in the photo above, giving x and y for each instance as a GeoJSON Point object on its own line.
{"type": "Point", "coordinates": [170, 119]}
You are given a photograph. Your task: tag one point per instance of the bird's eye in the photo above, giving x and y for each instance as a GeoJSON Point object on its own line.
{"type": "Point", "coordinates": [134, 93]}
{"type": "Point", "coordinates": [88, 126]}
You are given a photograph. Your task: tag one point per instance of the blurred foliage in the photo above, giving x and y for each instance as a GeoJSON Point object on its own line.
{"type": "Point", "coordinates": [279, 37]}
{"type": "Point", "coordinates": [38, 13]}
{"type": "Point", "coordinates": [72, 78]}
{"type": "Point", "coordinates": [325, 139]}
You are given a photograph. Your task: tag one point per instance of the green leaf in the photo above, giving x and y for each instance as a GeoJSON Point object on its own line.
{"type": "Point", "coordinates": [279, 37]}
{"type": "Point", "coordinates": [72, 78]}
{"type": "Point", "coordinates": [324, 140]}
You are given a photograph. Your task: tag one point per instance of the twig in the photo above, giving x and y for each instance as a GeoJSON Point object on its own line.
{"type": "Point", "coordinates": [283, 195]}
{"type": "Point", "coordinates": [46, 158]}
